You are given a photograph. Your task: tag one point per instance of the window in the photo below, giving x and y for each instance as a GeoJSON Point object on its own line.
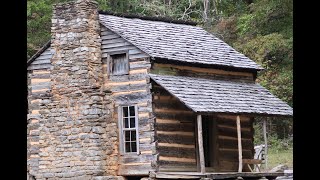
{"type": "Point", "coordinates": [128, 123]}
{"type": "Point", "coordinates": [118, 64]}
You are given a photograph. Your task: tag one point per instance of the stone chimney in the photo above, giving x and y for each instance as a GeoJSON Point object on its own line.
{"type": "Point", "coordinates": [72, 136]}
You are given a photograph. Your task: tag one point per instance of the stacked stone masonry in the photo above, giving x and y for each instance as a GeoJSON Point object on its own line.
{"type": "Point", "coordinates": [69, 112]}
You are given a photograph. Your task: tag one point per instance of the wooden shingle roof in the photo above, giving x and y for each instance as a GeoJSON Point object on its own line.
{"type": "Point", "coordinates": [217, 96]}
{"type": "Point", "coordinates": [177, 42]}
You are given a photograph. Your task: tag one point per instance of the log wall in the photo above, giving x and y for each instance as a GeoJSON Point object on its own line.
{"type": "Point", "coordinates": [176, 70]}
{"type": "Point", "coordinates": [131, 89]}
{"type": "Point", "coordinates": [174, 132]}
{"type": "Point", "coordinates": [227, 141]}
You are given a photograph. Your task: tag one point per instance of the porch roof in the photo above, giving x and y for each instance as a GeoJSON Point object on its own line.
{"type": "Point", "coordinates": [217, 96]}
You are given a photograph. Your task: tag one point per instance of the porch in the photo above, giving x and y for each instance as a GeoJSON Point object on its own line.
{"type": "Point", "coordinates": [215, 127]}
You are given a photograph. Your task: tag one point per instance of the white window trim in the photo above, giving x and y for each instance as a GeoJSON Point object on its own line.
{"type": "Point", "coordinates": [121, 134]}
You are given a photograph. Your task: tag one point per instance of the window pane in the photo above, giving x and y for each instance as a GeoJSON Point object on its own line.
{"type": "Point", "coordinates": [132, 113]}
{"type": "Point", "coordinates": [133, 135]}
{"type": "Point", "coordinates": [134, 147]}
{"type": "Point", "coordinates": [125, 111]}
{"type": "Point", "coordinates": [125, 122]}
{"type": "Point", "coordinates": [132, 123]}
{"type": "Point", "coordinates": [119, 64]}
{"type": "Point", "coordinates": [128, 147]}
{"type": "Point", "coordinates": [127, 135]}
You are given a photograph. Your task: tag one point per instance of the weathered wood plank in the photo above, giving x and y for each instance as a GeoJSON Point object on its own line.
{"type": "Point", "coordinates": [239, 144]}
{"type": "Point", "coordinates": [127, 88]}
{"type": "Point", "coordinates": [39, 66]}
{"type": "Point", "coordinates": [182, 117]}
{"type": "Point", "coordinates": [200, 144]}
{"type": "Point", "coordinates": [175, 163]}
{"type": "Point", "coordinates": [233, 132]}
{"type": "Point", "coordinates": [187, 127]}
{"type": "Point", "coordinates": [122, 48]}
{"type": "Point", "coordinates": [177, 159]}
{"type": "Point", "coordinates": [111, 41]}
{"type": "Point", "coordinates": [114, 45]}
{"type": "Point", "coordinates": [176, 151]}
{"type": "Point", "coordinates": [111, 36]}
{"type": "Point", "coordinates": [137, 170]}
{"type": "Point", "coordinates": [229, 143]}
{"type": "Point", "coordinates": [163, 138]}
{"type": "Point", "coordinates": [142, 158]}
{"type": "Point", "coordinates": [232, 154]}
{"type": "Point", "coordinates": [138, 56]}
{"type": "Point", "coordinates": [200, 70]}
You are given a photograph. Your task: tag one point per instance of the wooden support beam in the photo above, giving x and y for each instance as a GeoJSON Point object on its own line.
{"type": "Point", "coordinates": [239, 144]}
{"type": "Point", "coordinates": [200, 144]}
{"type": "Point", "coordinates": [265, 141]}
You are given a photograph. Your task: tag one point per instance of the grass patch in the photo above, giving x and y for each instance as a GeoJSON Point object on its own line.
{"type": "Point", "coordinates": [277, 157]}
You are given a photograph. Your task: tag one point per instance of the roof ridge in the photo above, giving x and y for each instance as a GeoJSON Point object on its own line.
{"type": "Point", "coordinates": [150, 18]}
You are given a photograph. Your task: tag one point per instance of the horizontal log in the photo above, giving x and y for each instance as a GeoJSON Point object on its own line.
{"type": "Point", "coordinates": [173, 111]}
{"type": "Point", "coordinates": [139, 65]}
{"type": "Point", "coordinates": [129, 92]}
{"type": "Point", "coordinates": [232, 123]}
{"type": "Point", "coordinates": [169, 104]}
{"type": "Point", "coordinates": [138, 56]}
{"type": "Point", "coordinates": [135, 51]}
{"type": "Point", "coordinates": [187, 117]}
{"type": "Point", "coordinates": [139, 97]}
{"type": "Point", "coordinates": [201, 70]}
{"type": "Point", "coordinates": [175, 127]}
{"type": "Point", "coordinates": [110, 36]}
{"type": "Point", "coordinates": [227, 143]}
{"type": "Point", "coordinates": [43, 60]}
{"type": "Point", "coordinates": [233, 138]}
{"type": "Point", "coordinates": [233, 133]}
{"type": "Point", "coordinates": [112, 41]}
{"type": "Point", "coordinates": [134, 170]}
{"type": "Point", "coordinates": [176, 145]}
{"type": "Point", "coordinates": [117, 49]}
{"type": "Point", "coordinates": [40, 72]}
{"type": "Point", "coordinates": [177, 164]}
{"type": "Point", "coordinates": [234, 128]}
{"type": "Point", "coordinates": [232, 154]}
{"type": "Point", "coordinates": [125, 78]}
{"type": "Point", "coordinates": [233, 117]}
{"type": "Point", "coordinates": [128, 88]}
{"type": "Point", "coordinates": [177, 159]}
{"type": "Point", "coordinates": [135, 159]}
{"type": "Point", "coordinates": [114, 45]}
{"type": "Point", "coordinates": [105, 32]}
{"type": "Point", "coordinates": [39, 66]}
{"type": "Point", "coordinates": [40, 76]}
{"type": "Point", "coordinates": [176, 152]}
{"type": "Point", "coordinates": [112, 83]}
{"type": "Point", "coordinates": [138, 71]}
{"type": "Point", "coordinates": [165, 138]}
{"type": "Point", "coordinates": [182, 133]}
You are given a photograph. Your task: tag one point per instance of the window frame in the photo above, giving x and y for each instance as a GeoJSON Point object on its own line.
{"type": "Point", "coordinates": [110, 62]}
{"type": "Point", "coordinates": [121, 129]}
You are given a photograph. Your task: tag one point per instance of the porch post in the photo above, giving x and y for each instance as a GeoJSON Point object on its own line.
{"type": "Point", "coordinates": [239, 144]}
{"type": "Point", "coordinates": [265, 141]}
{"type": "Point", "coordinates": [200, 144]}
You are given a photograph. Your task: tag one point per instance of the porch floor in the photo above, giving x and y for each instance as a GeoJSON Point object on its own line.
{"type": "Point", "coordinates": [217, 175]}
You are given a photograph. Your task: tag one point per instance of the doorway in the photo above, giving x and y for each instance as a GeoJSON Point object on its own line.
{"type": "Point", "coordinates": [209, 139]}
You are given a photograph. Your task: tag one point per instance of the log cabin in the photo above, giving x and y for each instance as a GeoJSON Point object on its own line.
{"type": "Point", "coordinates": [128, 97]}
